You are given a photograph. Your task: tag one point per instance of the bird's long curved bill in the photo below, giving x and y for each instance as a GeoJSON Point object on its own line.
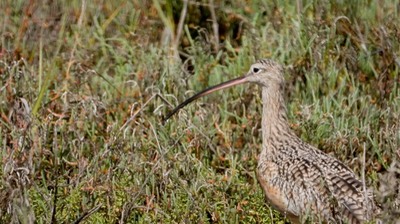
{"type": "Point", "coordinates": [205, 92]}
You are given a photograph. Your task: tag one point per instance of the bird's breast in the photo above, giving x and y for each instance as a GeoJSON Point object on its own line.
{"type": "Point", "coordinates": [268, 177]}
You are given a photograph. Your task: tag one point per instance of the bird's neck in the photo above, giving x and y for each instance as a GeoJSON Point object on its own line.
{"type": "Point", "coordinates": [274, 119]}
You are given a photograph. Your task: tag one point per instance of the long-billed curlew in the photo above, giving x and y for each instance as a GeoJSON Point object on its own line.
{"type": "Point", "coordinates": [300, 181]}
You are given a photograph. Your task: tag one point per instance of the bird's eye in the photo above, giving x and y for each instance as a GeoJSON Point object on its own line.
{"type": "Point", "coordinates": [256, 70]}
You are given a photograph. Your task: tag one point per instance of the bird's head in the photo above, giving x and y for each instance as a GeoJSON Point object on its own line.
{"type": "Point", "coordinates": [266, 72]}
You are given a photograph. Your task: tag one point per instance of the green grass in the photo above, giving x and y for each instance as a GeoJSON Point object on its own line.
{"type": "Point", "coordinates": [84, 86]}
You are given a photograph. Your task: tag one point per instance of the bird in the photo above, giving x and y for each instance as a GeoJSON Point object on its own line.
{"type": "Point", "coordinates": [300, 181]}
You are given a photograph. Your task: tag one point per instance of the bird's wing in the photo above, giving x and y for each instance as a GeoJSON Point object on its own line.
{"type": "Point", "coordinates": [348, 190]}
{"type": "Point", "coordinates": [311, 195]}
{"type": "Point", "coordinates": [345, 188]}
{"type": "Point", "coordinates": [327, 186]}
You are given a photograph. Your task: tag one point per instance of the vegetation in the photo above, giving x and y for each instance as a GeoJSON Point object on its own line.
{"type": "Point", "coordinates": [84, 86]}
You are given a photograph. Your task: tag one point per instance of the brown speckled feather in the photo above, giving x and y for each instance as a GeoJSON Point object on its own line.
{"type": "Point", "coordinates": [299, 180]}
{"type": "Point", "coordinates": [312, 184]}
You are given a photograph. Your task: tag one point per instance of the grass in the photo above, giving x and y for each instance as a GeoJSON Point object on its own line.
{"type": "Point", "coordinates": [84, 86]}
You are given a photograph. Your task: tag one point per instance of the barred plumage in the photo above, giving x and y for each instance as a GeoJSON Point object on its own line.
{"type": "Point", "coordinates": [299, 180]}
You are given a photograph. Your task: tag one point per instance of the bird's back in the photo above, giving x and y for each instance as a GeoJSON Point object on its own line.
{"type": "Point", "coordinates": [305, 183]}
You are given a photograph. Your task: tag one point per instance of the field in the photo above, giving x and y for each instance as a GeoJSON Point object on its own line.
{"type": "Point", "coordinates": [84, 86]}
